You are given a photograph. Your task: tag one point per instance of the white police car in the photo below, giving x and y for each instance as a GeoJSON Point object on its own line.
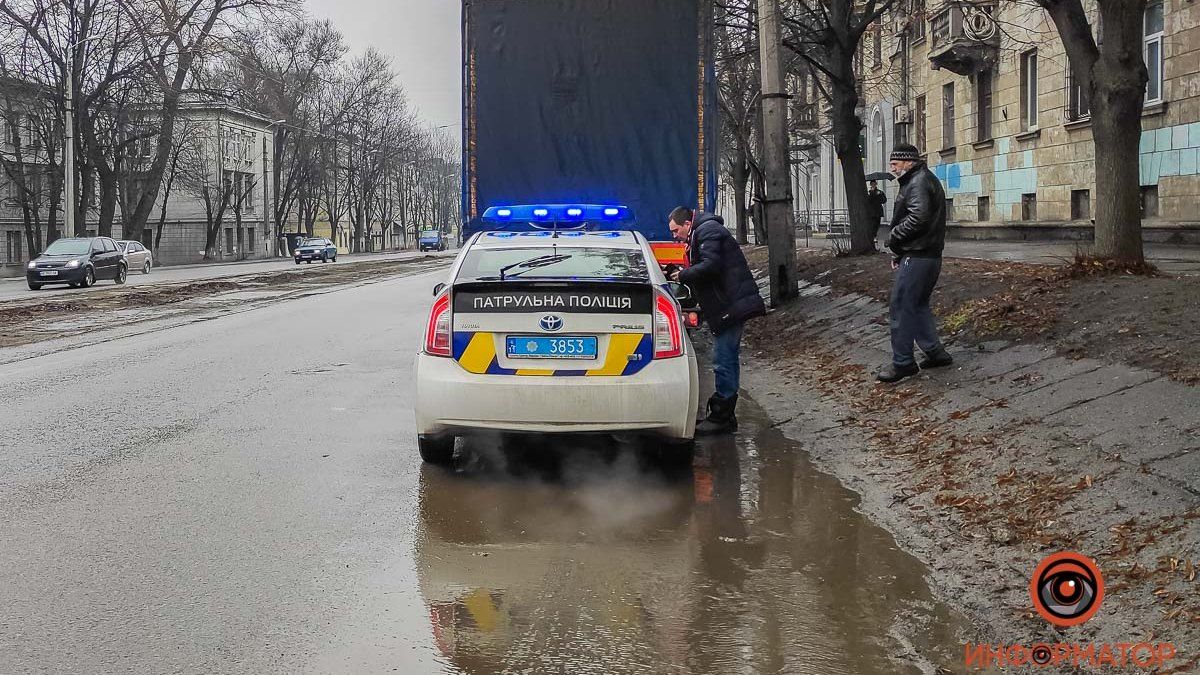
{"type": "Point", "coordinates": [555, 331]}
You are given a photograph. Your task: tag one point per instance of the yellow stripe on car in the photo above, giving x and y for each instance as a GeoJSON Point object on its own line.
{"type": "Point", "coordinates": [620, 347]}
{"type": "Point", "coordinates": [479, 353]}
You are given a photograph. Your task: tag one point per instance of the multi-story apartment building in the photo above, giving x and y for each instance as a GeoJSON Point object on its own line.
{"type": "Point", "coordinates": [222, 154]}
{"type": "Point", "coordinates": [983, 88]}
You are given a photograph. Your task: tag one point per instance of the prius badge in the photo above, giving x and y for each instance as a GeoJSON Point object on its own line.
{"type": "Point", "coordinates": [551, 323]}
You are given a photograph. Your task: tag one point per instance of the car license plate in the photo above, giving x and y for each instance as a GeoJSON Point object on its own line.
{"type": "Point", "coordinates": [539, 347]}
{"type": "Point", "coordinates": [49, 274]}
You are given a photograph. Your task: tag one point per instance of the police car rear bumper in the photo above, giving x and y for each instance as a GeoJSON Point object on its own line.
{"type": "Point", "coordinates": [660, 400]}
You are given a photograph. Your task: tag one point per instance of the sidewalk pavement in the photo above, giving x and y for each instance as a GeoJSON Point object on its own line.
{"type": "Point", "coordinates": [1170, 258]}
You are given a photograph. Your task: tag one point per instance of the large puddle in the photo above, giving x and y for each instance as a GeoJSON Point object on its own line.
{"type": "Point", "coordinates": [585, 558]}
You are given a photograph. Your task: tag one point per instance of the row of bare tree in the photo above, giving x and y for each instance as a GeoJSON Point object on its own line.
{"type": "Point", "coordinates": [824, 39]}
{"type": "Point", "coordinates": [348, 147]}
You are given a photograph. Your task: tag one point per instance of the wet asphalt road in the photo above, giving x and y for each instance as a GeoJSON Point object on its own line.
{"type": "Point", "coordinates": [243, 495]}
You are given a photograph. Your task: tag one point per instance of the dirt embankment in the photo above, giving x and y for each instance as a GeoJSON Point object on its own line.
{"type": "Point", "coordinates": [1071, 421]}
{"type": "Point", "coordinates": [1149, 322]}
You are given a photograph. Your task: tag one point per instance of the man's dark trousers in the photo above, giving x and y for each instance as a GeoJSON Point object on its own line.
{"type": "Point", "coordinates": [727, 367]}
{"type": "Point", "coordinates": [910, 315]}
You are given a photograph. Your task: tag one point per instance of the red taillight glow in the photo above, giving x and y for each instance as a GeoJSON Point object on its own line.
{"type": "Point", "coordinates": [437, 332]}
{"type": "Point", "coordinates": [668, 333]}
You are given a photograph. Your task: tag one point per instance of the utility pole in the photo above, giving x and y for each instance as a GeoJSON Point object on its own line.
{"type": "Point", "coordinates": [781, 233]}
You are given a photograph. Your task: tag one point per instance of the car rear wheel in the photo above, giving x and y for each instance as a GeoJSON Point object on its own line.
{"type": "Point", "coordinates": [122, 273]}
{"type": "Point", "coordinates": [324, 259]}
{"type": "Point", "coordinates": [34, 287]}
{"type": "Point", "coordinates": [146, 267]}
{"type": "Point", "coordinates": [89, 278]}
{"type": "Point", "coordinates": [436, 449]}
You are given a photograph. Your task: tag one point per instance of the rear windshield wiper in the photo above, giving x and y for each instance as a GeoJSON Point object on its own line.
{"type": "Point", "coordinates": [532, 263]}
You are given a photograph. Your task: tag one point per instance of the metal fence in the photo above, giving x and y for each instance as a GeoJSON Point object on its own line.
{"type": "Point", "coordinates": [828, 221]}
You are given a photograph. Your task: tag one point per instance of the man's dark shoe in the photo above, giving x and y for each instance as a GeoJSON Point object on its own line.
{"type": "Point", "coordinates": [895, 373]}
{"type": "Point", "coordinates": [938, 359]}
{"type": "Point", "coordinates": [721, 418]}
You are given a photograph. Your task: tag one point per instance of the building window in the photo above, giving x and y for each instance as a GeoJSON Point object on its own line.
{"type": "Point", "coordinates": [1149, 201]}
{"type": "Point", "coordinates": [1029, 90]}
{"type": "Point", "coordinates": [1079, 105]}
{"type": "Point", "coordinates": [250, 241]}
{"type": "Point", "coordinates": [983, 105]}
{"type": "Point", "coordinates": [949, 208]}
{"type": "Point", "coordinates": [12, 247]}
{"type": "Point", "coordinates": [1152, 50]}
{"type": "Point", "coordinates": [983, 209]}
{"type": "Point", "coordinates": [229, 242]}
{"type": "Point", "coordinates": [947, 116]}
{"type": "Point", "coordinates": [1081, 205]}
{"type": "Point", "coordinates": [918, 20]}
{"type": "Point", "coordinates": [920, 116]}
{"type": "Point", "coordinates": [1029, 206]}
{"type": "Point", "coordinates": [878, 51]}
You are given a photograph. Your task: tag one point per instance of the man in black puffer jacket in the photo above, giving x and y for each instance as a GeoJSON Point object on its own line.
{"type": "Point", "coordinates": [917, 237]}
{"type": "Point", "coordinates": [728, 296]}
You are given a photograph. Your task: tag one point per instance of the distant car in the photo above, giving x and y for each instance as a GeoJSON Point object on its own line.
{"type": "Point", "coordinates": [137, 257]}
{"type": "Point", "coordinates": [431, 240]}
{"type": "Point", "coordinates": [78, 262]}
{"type": "Point", "coordinates": [316, 249]}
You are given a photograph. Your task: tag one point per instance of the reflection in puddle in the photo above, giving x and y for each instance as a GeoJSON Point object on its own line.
{"type": "Point", "coordinates": [583, 557]}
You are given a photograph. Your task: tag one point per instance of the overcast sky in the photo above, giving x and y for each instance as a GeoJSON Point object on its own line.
{"type": "Point", "coordinates": [421, 36]}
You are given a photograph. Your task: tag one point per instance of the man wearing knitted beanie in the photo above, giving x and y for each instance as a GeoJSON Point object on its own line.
{"type": "Point", "coordinates": [918, 234]}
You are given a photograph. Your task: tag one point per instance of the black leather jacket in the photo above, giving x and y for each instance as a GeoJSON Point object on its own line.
{"type": "Point", "coordinates": [919, 216]}
{"type": "Point", "coordinates": [720, 276]}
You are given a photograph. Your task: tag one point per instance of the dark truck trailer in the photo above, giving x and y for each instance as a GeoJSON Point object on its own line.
{"type": "Point", "coordinates": [589, 102]}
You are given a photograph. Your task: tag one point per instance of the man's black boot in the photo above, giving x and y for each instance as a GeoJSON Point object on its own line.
{"type": "Point", "coordinates": [708, 408]}
{"type": "Point", "coordinates": [895, 373]}
{"type": "Point", "coordinates": [721, 417]}
{"type": "Point", "coordinates": [938, 358]}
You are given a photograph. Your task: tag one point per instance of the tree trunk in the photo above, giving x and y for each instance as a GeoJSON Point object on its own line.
{"type": "Point", "coordinates": [1115, 75]}
{"type": "Point", "coordinates": [847, 128]}
{"type": "Point", "coordinates": [740, 175]}
{"type": "Point", "coordinates": [1118, 85]}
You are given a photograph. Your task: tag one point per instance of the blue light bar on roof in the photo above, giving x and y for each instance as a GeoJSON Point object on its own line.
{"type": "Point", "coordinates": [557, 213]}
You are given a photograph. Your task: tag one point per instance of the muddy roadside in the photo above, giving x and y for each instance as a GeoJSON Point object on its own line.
{"type": "Point", "coordinates": [47, 317]}
{"type": "Point", "coordinates": [1067, 423]}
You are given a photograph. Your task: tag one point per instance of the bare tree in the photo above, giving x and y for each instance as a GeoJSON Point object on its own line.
{"type": "Point", "coordinates": [1113, 73]}
{"type": "Point", "coordinates": [827, 34]}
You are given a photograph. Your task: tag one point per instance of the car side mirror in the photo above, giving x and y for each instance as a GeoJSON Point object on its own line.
{"type": "Point", "coordinates": [439, 288]}
{"type": "Point", "coordinates": [681, 292]}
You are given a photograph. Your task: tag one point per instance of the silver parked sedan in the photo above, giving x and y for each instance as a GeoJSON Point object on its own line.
{"type": "Point", "coordinates": [138, 257]}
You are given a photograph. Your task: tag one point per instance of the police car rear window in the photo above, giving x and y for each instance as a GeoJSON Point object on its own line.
{"type": "Point", "coordinates": [553, 263]}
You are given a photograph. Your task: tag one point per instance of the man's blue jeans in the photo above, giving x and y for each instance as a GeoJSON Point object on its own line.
{"type": "Point", "coordinates": [727, 346]}
{"type": "Point", "coordinates": [910, 316]}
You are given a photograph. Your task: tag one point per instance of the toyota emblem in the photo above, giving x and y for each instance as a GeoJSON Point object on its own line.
{"type": "Point", "coordinates": [551, 323]}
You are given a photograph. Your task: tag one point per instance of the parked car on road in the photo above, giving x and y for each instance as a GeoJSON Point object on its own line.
{"type": "Point", "coordinates": [78, 262]}
{"type": "Point", "coordinates": [539, 332]}
{"type": "Point", "coordinates": [316, 249]}
{"type": "Point", "coordinates": [137, 257]}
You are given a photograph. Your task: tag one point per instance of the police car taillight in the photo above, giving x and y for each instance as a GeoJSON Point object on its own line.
{"type": "Point", "coordinates": [668, 334]}
{"type": "Point", "coordinates": [437, 332]}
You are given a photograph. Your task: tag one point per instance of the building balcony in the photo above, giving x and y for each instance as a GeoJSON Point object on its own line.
{"type": "Point", "coordinates": [964, 37]}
